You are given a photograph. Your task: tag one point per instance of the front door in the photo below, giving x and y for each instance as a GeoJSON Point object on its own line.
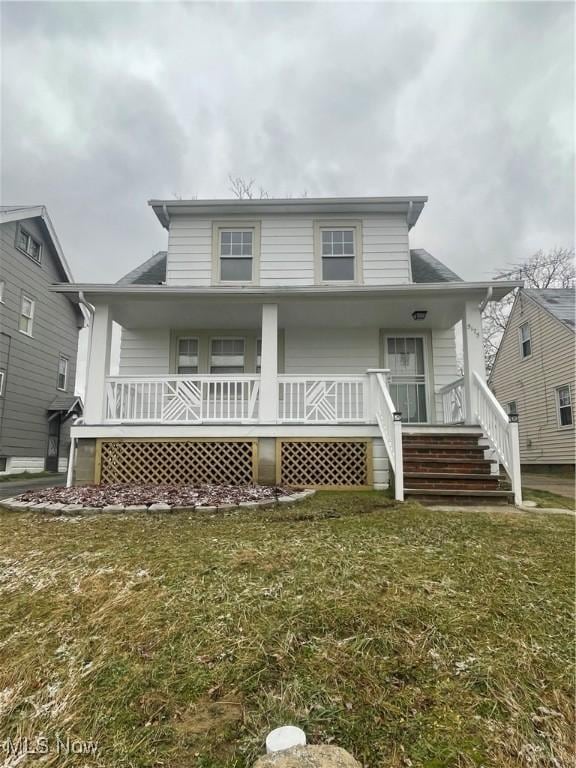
{"type": "Point", "coordinates": [53, 446]}
{"type": "Point", "coordinates": [405, 357]}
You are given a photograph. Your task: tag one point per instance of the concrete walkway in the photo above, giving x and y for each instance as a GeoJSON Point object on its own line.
{"type": "Point", "coordinates": [15, 487]}
{"type": "Point", "coordinates": [563, 486]}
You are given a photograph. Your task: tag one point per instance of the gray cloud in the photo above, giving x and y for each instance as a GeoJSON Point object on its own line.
{"type": "Point", "coordinates": [105, 105]}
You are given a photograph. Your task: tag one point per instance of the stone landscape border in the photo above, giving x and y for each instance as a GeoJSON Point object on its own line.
{"type": "Point", "coordinates": [15, 505]}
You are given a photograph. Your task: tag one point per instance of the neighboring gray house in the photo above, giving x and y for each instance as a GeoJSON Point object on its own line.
{"type": "Point", "coordinates": [534, 374]}
{"type": "Point", "coordinates": [38, 344]}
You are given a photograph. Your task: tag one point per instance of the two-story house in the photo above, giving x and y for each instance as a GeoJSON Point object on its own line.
{"type": "Point", "coordinates": [38, 344]}
{"type": "Point", "coordinates": [298, 341]}
{"type": "Point", "coordinates": [534, 375]}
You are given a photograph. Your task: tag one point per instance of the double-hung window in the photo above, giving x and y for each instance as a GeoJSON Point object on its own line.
{"type": "Point", "coordinates": [26, 315]}
{"type": "Point", "coordinates": [236, 250]}
{"type": "Point", "coordinates": [62, 373]}
{"type": "Point", "coordinates": [564, 405]}
{"type": "Point", "coordinates": [227, 355]}
{"type": "Point", "coordinates": [525, 340]}
{"type": "Point", "coordinates": [338, 251]}
{"type": "Point", "coordinates": [187, 355]}
{"type": "Point", "coordinates": [26, 243]}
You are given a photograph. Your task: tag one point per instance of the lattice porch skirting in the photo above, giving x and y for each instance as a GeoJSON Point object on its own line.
{"type": "Point", "coordinates": [328, 463]}
{"type": "Point", "coordinates": [177, 462]}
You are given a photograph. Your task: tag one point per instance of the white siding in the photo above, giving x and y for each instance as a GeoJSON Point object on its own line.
{"type": "Point", "coordinates": [144, 352]}
{"type": "Point", "coordinates": [445, 365]}
{"type": "Point", "coordinates": [334, 350]}
{"type": "Point", "coordinates": [386, 253]}
{"type": "Point", "coordinates": [381, 465]}
{"type": "Point", "coordinates": [287, 250]}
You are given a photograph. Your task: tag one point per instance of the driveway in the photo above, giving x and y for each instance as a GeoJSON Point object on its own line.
{"type": "Point", "coordinates": [563, 486]}
{"type": "Point", "coordinates": [15, 487]}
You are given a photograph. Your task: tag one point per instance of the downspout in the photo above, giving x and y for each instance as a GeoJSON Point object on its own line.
{"type": "Point", "coordinates": [72, 454]}
{"type": "Point", "coordinates": [409, 215]}
{"type": "Point", "coordinates": [166, 216]}
{"type": "Point", "coordinates": [486, 299]}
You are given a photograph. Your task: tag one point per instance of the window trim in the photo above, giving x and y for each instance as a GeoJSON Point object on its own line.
{"type": "Point", "coordinates": [31, 237]}
{"type": "Point", "coordinates": [179, 338]}
{"type": "Point", "coordinates": [236, 225]}
{"type": "Point", "coordinates": [522, 341]}
{"type": "Point", "coordinates": [67, 361]}
{"type": "Point", "coordinates": [356, 226]}
{"type": "Point", "coordinates": [21, 314]}
{"type": "Point", "coordinates": [557, 398]}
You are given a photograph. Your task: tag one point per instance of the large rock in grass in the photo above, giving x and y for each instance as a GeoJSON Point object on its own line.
{"type": "Point", "coordinates": [312, 756]}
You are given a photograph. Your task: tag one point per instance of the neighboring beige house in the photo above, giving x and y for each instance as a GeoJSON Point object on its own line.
{"type": "Point", "coordinates": [534, 374]}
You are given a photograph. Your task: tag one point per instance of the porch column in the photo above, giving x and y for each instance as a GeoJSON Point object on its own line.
{"type": "Point", "coordinates": [98, 365]}
{"type": "Point", "coordinates": [269, 365]}
{"type": "Point", "coordinates": [473, 353]}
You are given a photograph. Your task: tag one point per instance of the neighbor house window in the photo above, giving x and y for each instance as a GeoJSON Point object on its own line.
{"type": "Point", "coordinates": [2, 379]}
{"type": "Point", "coordinates": [511, 408]}
{"type": "Point", "coordinates": [2, 287]}
{"type": "Point", "coordinates": [62, 374]}
{"type": "Point", "coordinates": [564, 404]}
{"type": "Point", "coordinates": [236, 255]}
{"type": "Point", "coordinates": [26, 315]}
{"type": "Point", "coordinates": [227, 356]}
{"type": "Point", "coordinates": [26, 243]}
{"type": "Point", "coordinates": [187, 355]}
{"type": "Point", "coordinates": [525, 340]}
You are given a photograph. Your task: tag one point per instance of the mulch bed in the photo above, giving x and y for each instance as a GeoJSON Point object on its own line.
{"type": "Point", "coordinates": [175, 495]}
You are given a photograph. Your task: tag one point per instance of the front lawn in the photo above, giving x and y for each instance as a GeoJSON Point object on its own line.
{"type": "Point", "coordinates": [409, 637]}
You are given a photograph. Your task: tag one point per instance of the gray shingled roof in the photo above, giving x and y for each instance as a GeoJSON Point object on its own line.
{"type": "Point", "coordinates": [151, 272]}
{"type": "Point", "coordinates": [560, 302]}
{"type": "Point", "coordinates": [425, 269]}
{"type": "Point", "coordinates": [66, 403]}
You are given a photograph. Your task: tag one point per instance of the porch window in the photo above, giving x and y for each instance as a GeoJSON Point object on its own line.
{"type": "Point", "coordinates": [26, 243]}
{"type": "Point", "coordinates": [62, 373]}
{"type": "Point", "coordinates": [258, 355]}
{"type": "Point", "coordinates": [227, 356]}
{"type": "Point", "coordinates": [338, 254]}
{"type": "Point", "coordinates": [187, 355]}
{"type": "Point", "coordinates": [236, 254]}
{"type": "Point", "coordinates": [26, 315]}
{"type": "Point", "coordinates": [525, 341]}
{"type": "Point", "coordinates": [564, 405]}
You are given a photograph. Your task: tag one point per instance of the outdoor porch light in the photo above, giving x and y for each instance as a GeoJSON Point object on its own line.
{"type": "Point", "coordinates": [419, 314]}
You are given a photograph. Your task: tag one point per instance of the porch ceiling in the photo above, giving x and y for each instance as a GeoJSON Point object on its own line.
{"type": "Point", "coordinates": [328, 311]}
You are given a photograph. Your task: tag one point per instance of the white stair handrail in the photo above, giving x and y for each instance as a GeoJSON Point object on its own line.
{"type": "Point", "coordinates": [390, 424]}
{"type": "Point", "coordinates": [500, 430]}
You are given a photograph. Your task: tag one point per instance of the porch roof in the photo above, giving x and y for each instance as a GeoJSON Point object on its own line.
{"type": "Point", "coordinates": [177, 307]}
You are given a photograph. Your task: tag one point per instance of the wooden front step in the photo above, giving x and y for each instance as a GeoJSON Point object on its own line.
{"type": "Point", "coordinates": [449, 468]}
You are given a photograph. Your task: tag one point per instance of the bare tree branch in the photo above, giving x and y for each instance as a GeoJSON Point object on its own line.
{"type": "Point", "coordinates": [552, 269]}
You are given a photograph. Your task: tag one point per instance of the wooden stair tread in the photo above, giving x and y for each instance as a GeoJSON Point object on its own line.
{"type": "Point", "coordinates": [453, 475]}
{"type": "Point", "coordinates": [456, 492]}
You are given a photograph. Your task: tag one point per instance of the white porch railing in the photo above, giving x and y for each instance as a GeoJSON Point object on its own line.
{"type": "Point", "coordinates": [182, 399]}
{"type": "Point", "coordinates": [502, 434]}
{"type": "Point", "coordinates": [454, 402]}
{"type": "Point", "coordinates": [322, 399]}
{"type": "Point", "coordinates": [389, 422]}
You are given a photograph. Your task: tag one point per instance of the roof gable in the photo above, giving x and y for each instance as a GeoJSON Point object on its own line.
{"type": "Point", "coordinates": [10, 213]}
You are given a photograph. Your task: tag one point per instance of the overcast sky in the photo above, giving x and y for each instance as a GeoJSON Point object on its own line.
{"type": "Point", "coordinates": [106, 105]}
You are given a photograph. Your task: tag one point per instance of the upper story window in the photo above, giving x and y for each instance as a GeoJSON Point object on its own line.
{"type": "Point", "coordinates": [564, 405]}
{"type": "Point", "coordinates": [62, 382]}
{"type": "Point", "coordinates": [26, 315]}
{"type": "Point", "coordinates": [227, 355]}
{"type": "Point", "coordinates": [28, 245]}
{"type": "Point", "coordinates": [236, 250]}
{"type": "Point", "coordinates": [525, 340]}
{"type": "Point", "coordinates": [187, 355]}
{"type": "Point", "coordinates": [338, 252]}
